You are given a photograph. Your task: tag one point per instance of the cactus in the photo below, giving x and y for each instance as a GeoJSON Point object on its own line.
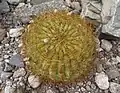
{"type": "Point", "coordinates": [60, 47]}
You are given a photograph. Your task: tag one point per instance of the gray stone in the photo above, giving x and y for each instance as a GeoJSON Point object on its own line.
{"type": "Point", "coordinates": [15, 1]}
{"type": "Point", "coordinates": [6, 56]}
{"type": "Point", "coordinates": [34, 81]}
{"type": "Point", "coordinates": [114, 87]}
{"type": "Point", "coordinates": [91, 9]}
{"type": "Point", "coordinates": [80, 83]}
{"type": "Point", "coordinates": [2, 34]}
{"type": "Point", "coordinates": [8, 67]}
{"type": "Point", "coordinates": [34, 91]}
{"type": "Point", "coordinates": [16, 60]}
{"type": "Point", "coordinates": [36, 2]}
{"type": "Point", "coordinates": [108, 10]}
{"type": "Point", "coordinates": [93, 86]}
{"type": "Point", "coordinates": [2, 66]}
{"type": "Point", "coordinates": [19, 73]}
{"type": "Point", "coordinates": [37, 9]}
{"type": "Point", "coordinates": [88, 83]}
{"type": "Point", "coordinates": [20, 90]}
{"type": "Point", "coordinates": [118, 59]}
{"type": "Point", "coordinates": [92, 15]}
{"type": "Point", "coordinates": [9, 82]}
{"type": "Point", "coordinates": [83, 89]}
{"type": "Point", "coordinates": [113, 14]}
{"type": "Point", "coordinates": [50, 91]}
{"type": "Point", "coordinates": [0, 81]}
{"type": "Point", "coordinates": [25, 20]}
{"type": "Point", "coordinates": [115, 60]}
{"type": "Point", "coordinates": [4, 7]}
{"type": "Point", "coordinates": [88, 88]}
{"type": "Point", "coordinates": [20, 5]}
{"type": "Point", "coordinates": [95, 6]}
{"type": "Point", "coordinates": [67, 2]}
{"type": "Point", "coordinates": [9, 89]}
{"type": "Point", "coordinates": [76, 5]}
{"type": "Point", "coordinates": [112, 74]}
{"type": "Point", "coordinates": [77, 92]}
{"type": "Point", "coordinates": [16, 32]}
{"type": "Point", "coordinates": [6, 75]}
{"type": "Point", "coordinates": [118, 48]}
{"type": "Point", "coordinates": [106, 45]}
{"type": "Point", "coordinates": [101, 80]}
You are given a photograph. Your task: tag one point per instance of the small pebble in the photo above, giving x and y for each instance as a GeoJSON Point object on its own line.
{"type": "Point", "coordinates": [34, 81]}
{"type": "Point", "coordinates": [106, 45]}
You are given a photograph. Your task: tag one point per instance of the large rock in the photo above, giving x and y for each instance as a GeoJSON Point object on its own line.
{"type": "Point", "coordinates": [91, 9]}
{"type": "Point", "coordinates": [4, 7]}
{"type": "Point", "coordinates": [37, 9]}
{"type": "Point", "coordinates": [15, 1]}
{"type": "Point", "coordinates": [101, 80]}
{"type": "Point", "coordinates": [36, 2]}
{"type": "Point", "coordinates": [111, 17]}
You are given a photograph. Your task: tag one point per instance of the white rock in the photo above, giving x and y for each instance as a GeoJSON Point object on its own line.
{"type": "Point", "coordinates": [9, 89]}
{"type": "Point", "coordinates": [118, 59]}
{"type": "Point", "coordinates": [15, 32]}
{"type": "Point", "coordinates": [106, 45]}
{"type": "Point", "coordinates": [101, 80]}
{"type": "Point", "coordinates": [6, 56]}
{"type": "Point", "coordinates": [20, 5]}
{"type": "Point", "coordinates": [34, 81]}
{"type": "Point", "coordinates": [7, 60]}
{"type": "Point", "coordinates": [114, 87]}
{"type": "Point", "coordinates": [9, 82]}
{"type": "Point", "coordinates": [6, 45]}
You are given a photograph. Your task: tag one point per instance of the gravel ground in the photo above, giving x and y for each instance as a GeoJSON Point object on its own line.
{"type": "Point", "coordinates": [16, 14]}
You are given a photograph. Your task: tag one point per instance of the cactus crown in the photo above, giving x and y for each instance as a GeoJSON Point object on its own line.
{"type": "Point", "coordinates": [61, 47]}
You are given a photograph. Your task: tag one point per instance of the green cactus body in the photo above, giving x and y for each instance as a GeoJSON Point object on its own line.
{"type": "Point", "coordinates": [61, 47]}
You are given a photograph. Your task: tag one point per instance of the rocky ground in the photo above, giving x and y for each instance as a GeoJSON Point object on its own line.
{"type": "Point", "coordinates": [16, 14]}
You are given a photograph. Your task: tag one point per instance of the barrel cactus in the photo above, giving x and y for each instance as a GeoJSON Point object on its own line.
{"type": "Point", "coordinates": [60, 47]}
